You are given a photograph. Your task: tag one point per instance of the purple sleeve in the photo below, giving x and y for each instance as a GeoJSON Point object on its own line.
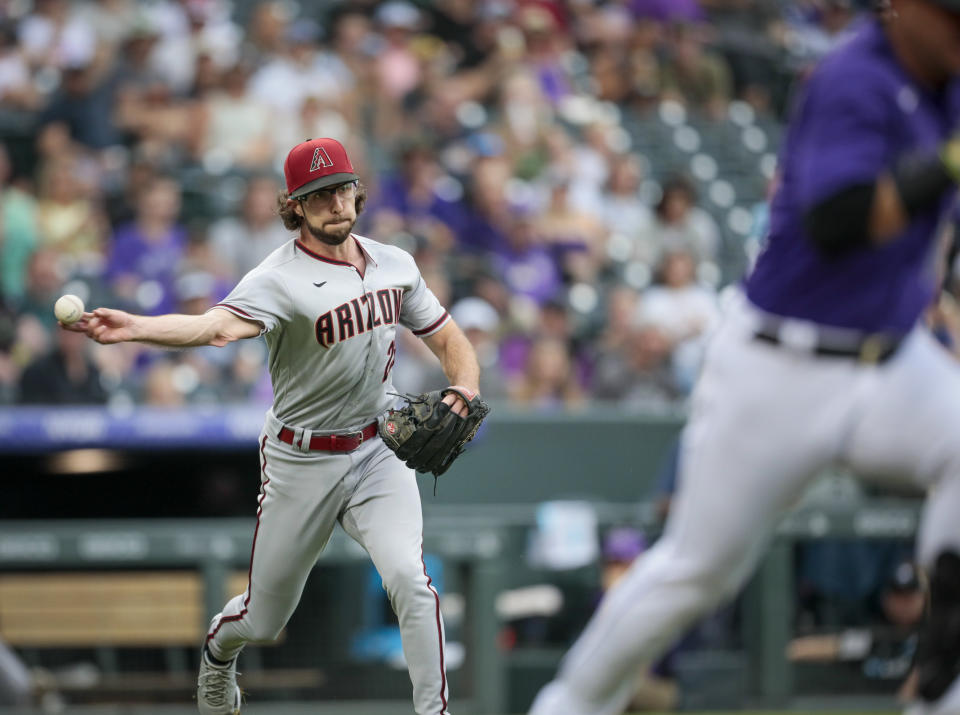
{"type": "Point", "coordinates": [842, 135]}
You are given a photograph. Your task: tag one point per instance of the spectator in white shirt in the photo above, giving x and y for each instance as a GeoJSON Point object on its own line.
{"type": "Point", "coordinates": [683, 310]}
{"type": "Point", "coordinates": [679, 224]}
{"type": "Point", "coordinates": [240, 242]}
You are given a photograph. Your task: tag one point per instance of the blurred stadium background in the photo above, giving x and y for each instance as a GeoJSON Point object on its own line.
{"type": "Point", "coordinates": [578, 180]}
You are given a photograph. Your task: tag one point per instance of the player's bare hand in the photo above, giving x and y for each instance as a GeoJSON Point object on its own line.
{"type": "Point", "coordinates": [457, 405]}
{"type": "Point", "coordinates": [108, 326]}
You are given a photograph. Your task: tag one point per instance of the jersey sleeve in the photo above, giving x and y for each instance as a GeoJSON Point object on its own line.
{"type": "Point", "coordinates": [260, 296]}
{"type": "Point", "coordinates": [843, 141]}
{"type": "Point", "coordinates": [421, 311]}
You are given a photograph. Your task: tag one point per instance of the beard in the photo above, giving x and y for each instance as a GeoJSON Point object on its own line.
{"type": "Point", "coordinates": [330, 237]}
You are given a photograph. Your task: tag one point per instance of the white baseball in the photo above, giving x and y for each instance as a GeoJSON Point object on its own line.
{"type": "Point", "coordinates": [68, 309]}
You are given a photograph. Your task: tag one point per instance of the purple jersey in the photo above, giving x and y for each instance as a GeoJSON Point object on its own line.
{"type": "Point", "coordinates": [857, 114]}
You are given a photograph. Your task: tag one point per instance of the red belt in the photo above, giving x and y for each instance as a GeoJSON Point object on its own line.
{"type": "Point", "coordinates": [334, 442]}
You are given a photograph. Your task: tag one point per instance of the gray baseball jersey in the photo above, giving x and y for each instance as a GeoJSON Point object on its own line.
{"type": "Point", "coordinates": [331, 333]}
{"type": "Point", "coordinates": [322, 319]}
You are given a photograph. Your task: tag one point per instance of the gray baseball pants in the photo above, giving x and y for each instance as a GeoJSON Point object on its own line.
{"type": "Point", "coordinates": [374, 496]}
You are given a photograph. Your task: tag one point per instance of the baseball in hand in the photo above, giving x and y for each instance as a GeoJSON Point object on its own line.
{"type": "Point", "coordinates": [68, 309]}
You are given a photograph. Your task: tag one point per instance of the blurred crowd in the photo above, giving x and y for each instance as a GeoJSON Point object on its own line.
{"type": "Point", "coordinates": [141, 146]}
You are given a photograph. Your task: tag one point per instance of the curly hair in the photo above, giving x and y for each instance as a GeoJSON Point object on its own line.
{"type": "Point", "coordinates": [292, 221]}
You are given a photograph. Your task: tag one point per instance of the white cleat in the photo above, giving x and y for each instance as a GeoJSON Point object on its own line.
{"type": "Point", "coordinates": [217, 690]}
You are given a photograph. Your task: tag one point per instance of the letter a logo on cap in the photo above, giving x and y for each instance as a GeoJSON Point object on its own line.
{"type": "Point", "coordinates": [320, 159]}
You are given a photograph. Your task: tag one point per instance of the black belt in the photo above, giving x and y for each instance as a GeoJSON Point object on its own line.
{"type": "Point", "coordinates": [872, 349]}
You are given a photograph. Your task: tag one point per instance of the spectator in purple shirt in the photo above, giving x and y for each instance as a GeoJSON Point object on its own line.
{"type": "Point", "coordinates": [145, 254]}
{"type": "Point", "coordinates": [489, 211]}
{"type": "Point", "coordinates": [527, 265]}
{"type": "Point", "coordinates": [419, 198]}
{"type": "Point", "coordinates": [667, 10]}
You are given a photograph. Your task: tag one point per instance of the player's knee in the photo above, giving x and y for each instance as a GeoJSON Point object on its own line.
{"type": "Point", "coordinates": [696, 581]}
{"type": "Point", "coordinates": [264, 631]}
{"type": "Point", "coordinates": [401, 577]}
{"type": "Point", "coordinates": [715, 583]}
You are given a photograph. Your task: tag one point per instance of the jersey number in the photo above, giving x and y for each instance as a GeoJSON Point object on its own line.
{"type": "Point", "coordinates": [391, 356]}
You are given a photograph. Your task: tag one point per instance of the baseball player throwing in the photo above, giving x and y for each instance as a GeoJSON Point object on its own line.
{"type": "Point", "coordinates": [328, 304]}
{"type": "Point", "coordinates": [821, 358]}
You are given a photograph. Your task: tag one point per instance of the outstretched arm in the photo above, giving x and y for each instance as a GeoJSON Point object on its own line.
{"type": "Point", "coordinates": [215, 327]}
{"type": "Point", "coordinates": [459, 362]}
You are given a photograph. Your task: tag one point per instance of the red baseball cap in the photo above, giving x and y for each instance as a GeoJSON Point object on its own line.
{"type": "Point", "coordinates": [316, 164]}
